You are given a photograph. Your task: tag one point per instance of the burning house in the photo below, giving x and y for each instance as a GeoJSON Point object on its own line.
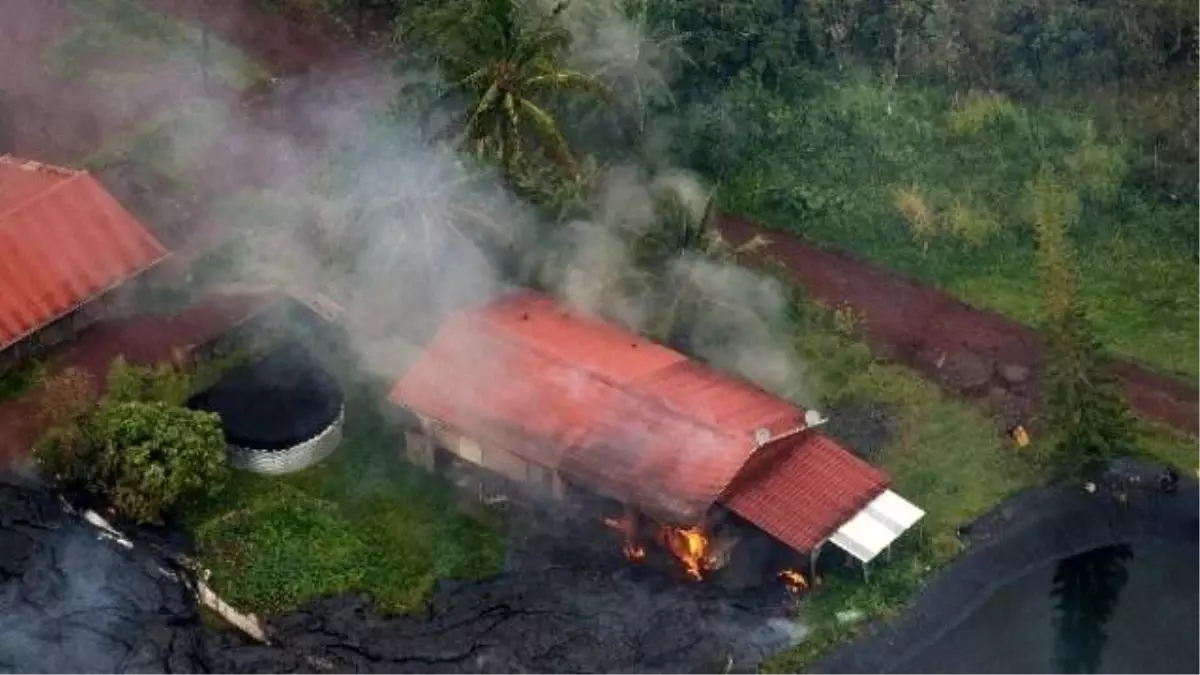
{"type": "Point", "coordinates": [67, 247]}
{"type": "Point", "coordinates": [558, 402]}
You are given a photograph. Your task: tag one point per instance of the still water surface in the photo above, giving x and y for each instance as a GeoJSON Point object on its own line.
{"type": "Point", "coordinates": [1119, 609]}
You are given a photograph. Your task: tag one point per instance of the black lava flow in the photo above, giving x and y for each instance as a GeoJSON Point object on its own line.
{"type": "Point", "coordinates": [71, 601]}
{"type": "Point", "coordinates": [275, 402]}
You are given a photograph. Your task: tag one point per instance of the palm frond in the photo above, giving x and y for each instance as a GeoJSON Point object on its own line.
{"type": "Point", "coordinates": [511, 150]}
{"type": "Point", "coordinates": [547, 129]}
{"type": "Point", "coordinates": [563, 80]}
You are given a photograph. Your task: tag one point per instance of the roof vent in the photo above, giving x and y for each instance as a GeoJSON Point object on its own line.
{"type": "Point", "coordinates": [762, 436]}
{"type": "Point", "coordinates": [813, 418]}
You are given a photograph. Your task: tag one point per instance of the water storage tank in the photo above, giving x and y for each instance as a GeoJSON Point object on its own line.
{"type": "Point", "coordinates": [281, 413]}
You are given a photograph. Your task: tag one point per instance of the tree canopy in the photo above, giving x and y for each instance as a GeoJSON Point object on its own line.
{"type": "Point", "coordinates": [139, 449]}
{"type": "Point", "coordinates": [506, 58]}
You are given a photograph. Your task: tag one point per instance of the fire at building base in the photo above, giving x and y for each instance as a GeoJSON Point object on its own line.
{"type": "Point", "coordinates": [675, 457]}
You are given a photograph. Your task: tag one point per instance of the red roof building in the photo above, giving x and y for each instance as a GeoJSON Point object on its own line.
{"type": "Point", "coordinates": [63, 241]}
{"type": "Point", "coordinates": [634, 420]}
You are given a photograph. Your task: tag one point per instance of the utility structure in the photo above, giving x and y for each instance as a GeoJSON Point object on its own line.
{"type": "Point", "coordinates": [548, 398]}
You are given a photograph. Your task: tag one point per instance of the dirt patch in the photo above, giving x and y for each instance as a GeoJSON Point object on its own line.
{"type": "Point", "coordinates": [866, 427]}
{"type": "Point", "coordinates": [973, 352]}
{"type": "Point", "coordinates": [287, 46]}
{"type": "Point", "coordinates": [47, 122]}
{"type": "Point", "coordinates": [144, 340]}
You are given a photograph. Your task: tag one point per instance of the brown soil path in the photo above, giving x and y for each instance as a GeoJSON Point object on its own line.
{"type": "Point", "coordinates": [142, 340]}
{"type": "Point", "coordinates": [972, 351]}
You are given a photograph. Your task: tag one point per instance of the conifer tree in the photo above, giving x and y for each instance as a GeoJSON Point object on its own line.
{"type": "Point", "coordinates": [1085, 412]}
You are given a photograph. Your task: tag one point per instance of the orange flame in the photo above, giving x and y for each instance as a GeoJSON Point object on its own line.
{"type": "Point", "coordinates": [690, 546]}
{"type": "Point", "coordinates": [794, 581]}
{"type": "Point", "coordinates": [632, 551]}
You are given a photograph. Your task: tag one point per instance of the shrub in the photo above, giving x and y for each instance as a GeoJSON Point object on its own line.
{"type": "Point", "coordinates": [138, 449]}
{"type": "Point", "coordinates": [151, 456]}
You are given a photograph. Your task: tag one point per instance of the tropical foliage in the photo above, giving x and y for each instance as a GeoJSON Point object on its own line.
{"type": "Point", "coordinates": [139, 450]}
{"type": "Point", "coordinates": [1084, 408]}
{"type": "Point", "coordinates": [504, 59]}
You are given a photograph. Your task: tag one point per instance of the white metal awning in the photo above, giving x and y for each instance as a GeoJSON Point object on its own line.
{"type": "Point", "coordinates": [874, 528]}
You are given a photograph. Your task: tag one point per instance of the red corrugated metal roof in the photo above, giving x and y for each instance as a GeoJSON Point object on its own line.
{"type": "Point", "coordinates": [624, 416]}
{"type": "Point", "coordinates": [63, 241]}
{"type": "Point", "coordinates": [538, 321]}
{"type": "Point", "coordinates": [802, 488]}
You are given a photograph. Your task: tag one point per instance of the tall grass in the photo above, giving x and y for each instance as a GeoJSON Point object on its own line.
{"type": "Point", "coordinates": [931, 185]}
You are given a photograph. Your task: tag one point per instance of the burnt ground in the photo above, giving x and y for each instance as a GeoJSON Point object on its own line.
{"type": "Point", "coordinates": [73, 602]}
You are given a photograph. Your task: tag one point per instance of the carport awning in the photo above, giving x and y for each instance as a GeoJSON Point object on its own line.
{"type": "Point", "coordinates": [874, 528]}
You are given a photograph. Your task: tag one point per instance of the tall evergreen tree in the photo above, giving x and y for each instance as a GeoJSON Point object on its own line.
{"type": "Point", "coordinates": [1085, 411]}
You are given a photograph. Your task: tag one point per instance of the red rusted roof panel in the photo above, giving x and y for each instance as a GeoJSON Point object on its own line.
{"type": "Point", "coordinates": [672, 466]}
{"type": "Point", "coordinates": [638, 423]}
{"type": "Point", "coordinates": [590, 344]}
{"type": "Point", "coordinates": [735, 406]}
{"type": "Point", "coordinates": [801, 489]}
{"type": "Point", "coordinates": [63, 240]}
{"type": "Point", "coordinates": [481, 383]}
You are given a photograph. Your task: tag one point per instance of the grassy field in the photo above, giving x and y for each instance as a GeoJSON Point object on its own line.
{"type": "Point", "coordinates": [947, 456]}
{"type": "Point", "coordinates": [363, 520]}
{"type": "Point", "coordinates": [934, 187]}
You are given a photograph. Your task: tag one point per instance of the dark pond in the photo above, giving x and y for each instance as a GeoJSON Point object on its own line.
{"type": "Point", "coordinates": [1119, 609]}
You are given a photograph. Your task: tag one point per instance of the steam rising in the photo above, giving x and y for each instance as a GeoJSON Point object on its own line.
{"type": "Point", "coordinates": [345, 195]}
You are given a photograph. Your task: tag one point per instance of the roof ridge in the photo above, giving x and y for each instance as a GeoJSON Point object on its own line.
{"type": "Point", "coordinates": [645, 396]}
{"type": "Point", "coordinates": [67, 180]}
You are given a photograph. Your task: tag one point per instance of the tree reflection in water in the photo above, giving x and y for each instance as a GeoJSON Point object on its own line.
{"type": "Point", "coordinates": [1086, 589]}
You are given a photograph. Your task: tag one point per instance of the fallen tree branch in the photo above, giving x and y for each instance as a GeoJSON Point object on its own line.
{"type": "Point", "coordinates": [195, 579]}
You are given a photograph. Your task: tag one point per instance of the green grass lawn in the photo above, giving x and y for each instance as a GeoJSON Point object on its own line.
{"type": "Point", "coordinates": [363, 520]}
{"type": "Point", "coordinates": [22, 379]}
{"type": "Point", "coordinates": [947, 456]}
{"type": "Point", "coordinates": [933, 187]}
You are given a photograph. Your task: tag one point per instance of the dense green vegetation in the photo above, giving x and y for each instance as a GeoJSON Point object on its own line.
{"type": "Point", "coordinates": [907, 132]}
{"type": "Point", "coordinates": [139, 450]}
{"type": "Point", "coordinates": [932, 187]}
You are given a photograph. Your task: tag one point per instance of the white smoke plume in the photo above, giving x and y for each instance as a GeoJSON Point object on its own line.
{"type": "Point", "coordinates": [325, 188]}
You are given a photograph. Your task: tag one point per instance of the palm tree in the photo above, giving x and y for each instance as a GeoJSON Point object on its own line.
{"type": "Point", "coordinates": [506, 61]}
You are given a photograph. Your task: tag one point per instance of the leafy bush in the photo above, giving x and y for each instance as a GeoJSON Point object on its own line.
{"type": "Point", "coordinates": [161, 383]}
{"type": "Point", "coordinates": [139, 449]}
{"type": "Point", "coordinates": [152, 456]}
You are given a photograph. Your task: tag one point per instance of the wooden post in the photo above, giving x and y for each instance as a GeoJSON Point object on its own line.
{"type": "Point", "coordinates": [813, 556]}
{"type": "Point", "coordinates": [419, 447]}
